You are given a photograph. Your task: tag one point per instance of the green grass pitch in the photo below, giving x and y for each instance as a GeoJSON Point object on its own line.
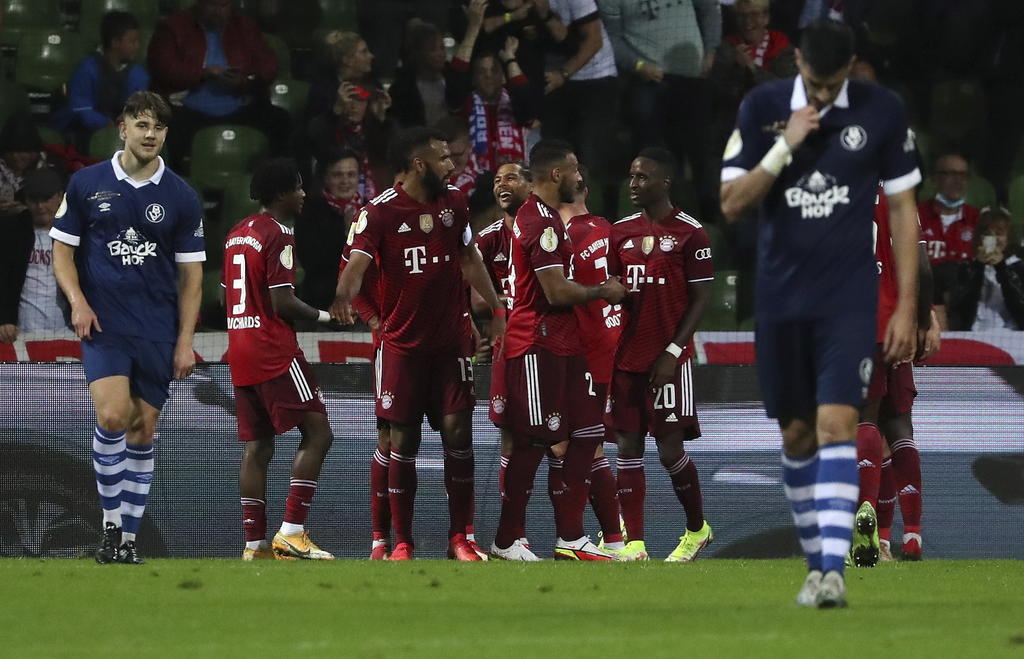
{"type": "Point", "coordinates": [709, 609]}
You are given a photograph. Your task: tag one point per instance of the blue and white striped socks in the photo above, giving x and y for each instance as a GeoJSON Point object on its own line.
{"type": "Point", "coordinates": [835, 499]}
{"type": "Point", "coordinates": [135, 489]}
{"type": "Point", "coordinates": [799, 476]}
{"type": "Point", "coordinates": [108, 462]}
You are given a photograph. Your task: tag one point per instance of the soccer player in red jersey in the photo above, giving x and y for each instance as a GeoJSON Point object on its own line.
{"type": "Point", "coordinates": [664, 257]}
{"type": "Point", "coordinates": [887, 411]}
{"type": "Point", "coordinates": [418, 233]}
{"type": "Point", "coordinates": [274, 387]}
{"type": "Point", "coordinates": [539, 383]}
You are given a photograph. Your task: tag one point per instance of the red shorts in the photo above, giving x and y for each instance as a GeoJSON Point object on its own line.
{"type": "Point", "coordinates": [539, 395]}
{"type": "Point", "coordinates": [634, 407]}
{"type": "Point", "coordinates": [409, 386]}
{"type": "Point", "coordinates": [279, 404]}
{"type": "Point", "coordinates": [893, 385]}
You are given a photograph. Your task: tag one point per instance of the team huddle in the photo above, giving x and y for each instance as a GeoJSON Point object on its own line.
{"type": "Point", "coordinates": [589, 327]}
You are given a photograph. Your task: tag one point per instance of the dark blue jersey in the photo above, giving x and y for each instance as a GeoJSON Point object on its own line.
{"type": "Point", "coordinates": [815, 251]}
{"type": "Point", "coordinates": [128, 236]}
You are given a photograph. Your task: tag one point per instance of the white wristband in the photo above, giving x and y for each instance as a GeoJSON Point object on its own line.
{"type": "Point", "coordinates": [323, 316]}
{"type": "Point", "coordinates": [777, 157]}
{"type": "Point", "coordinates": [674, 350]}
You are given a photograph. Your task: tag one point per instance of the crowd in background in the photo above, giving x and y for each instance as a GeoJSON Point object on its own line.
{"type": "Point", "coordinates": [329, 81]}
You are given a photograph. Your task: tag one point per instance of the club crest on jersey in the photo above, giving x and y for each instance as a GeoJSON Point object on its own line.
{"type": "Point", "coordinates": [447, 217]}
{"type": "Point", "coordinates": [287, 258]}
{"type": "Point", "coordinates": [554, 421]}
{"type": "Point", "coordinates": [816, 195]}
{"type": "Point", "coordinates": [155, 213]}
{"type": "Point", "coordinates": [498, 404]}
{"type": "Point", "coordinates": [426, 222]}
{"type": "Point", "coordinates": [647, 245]}
{"type": "Point", "coordinates": [853, 138]}
{"type": "Point", "coordinates": [386, 400]}
{"type": "Point", "coordinates": [668, 243]}
{"type": "Point", "coordinates": [132, 247]}
{"type": "Point", "coordinates": [549, 240]}
{"type": "Point", "coordinates": [966, 235]}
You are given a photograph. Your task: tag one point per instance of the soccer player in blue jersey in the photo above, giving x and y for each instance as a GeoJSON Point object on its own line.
{"type": "Point", "coordinates": [135, 229]}
{"type": "Point", "coordinates": [809, 152]}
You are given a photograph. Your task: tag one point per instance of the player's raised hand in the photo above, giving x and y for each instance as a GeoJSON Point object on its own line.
{"type": "Point", "coordinates": [663, 370]}
{"type": "Point", "coordinates": [83, 319]}
{"type": "Point", "coordinates": [900, 337]}
{"type": "Point", "coordinates": [801, 124]}
{"type": "Point", "coordinates": [475, 12]}
{"type": "Point", "coordinates": [612, 290]}
{"type": "Point", "coordinates": [184, 361]}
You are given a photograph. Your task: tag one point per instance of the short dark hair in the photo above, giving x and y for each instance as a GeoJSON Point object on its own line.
{"type": "Point", "coordinates": [273, 178]}
{"type": "Point", "coordinates": [408, 142]}
{"type": "Point", "coordinates": [827, 46]}
{"type": "Point", "coordinates": [666, 161]}
{"type": "Point", "coordinates": [41, 184]}
{"type": "Point", "coordinates": [524, 169]}
{"type": "Point", "coordinates": [548, 154]}
{"type": "Point", "coordinates": [114, 25]}
{"type": "Point", "coordinates": [333, 155]}
{"type": "Point", "coordinates": [142, 102]}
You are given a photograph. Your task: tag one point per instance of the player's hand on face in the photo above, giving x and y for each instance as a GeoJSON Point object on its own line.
{"type": "Point", "coordinates": [8, 333]}
{"type": "Point", "coordinates": [83, 319]}
{"type": "Point", "coordinates": [801, 124]}
{"type": "Point", "coordinates": [663, 370]}
{"type": "Point", "coordinates": [184, 361]}
{"type": "Point", "coordinates": [614, 291]}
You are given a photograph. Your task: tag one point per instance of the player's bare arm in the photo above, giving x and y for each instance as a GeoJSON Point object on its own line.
{"type": "Point", "coordinates": [748, 190]}
{"type": "Point", "coordinates": [475, 272]}
{"type": "Point", "coordinates": [698, 294]}
{"type": "Point", "coordinates": [83, 318]}
{"type": "Point", "coordinates": [926, 287]}
{"type": "Point", "coordinates": [562, 292]}
{"type": "Point", "coordinates": [349, 283]}
{"type": "Point", "coordinates": [901, 333]}
{"type": "Point", "coordinates": [190, 295]}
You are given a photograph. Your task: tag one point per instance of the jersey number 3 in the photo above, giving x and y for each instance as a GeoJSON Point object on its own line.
{"type": "Point", "coordinates": [239, 283]}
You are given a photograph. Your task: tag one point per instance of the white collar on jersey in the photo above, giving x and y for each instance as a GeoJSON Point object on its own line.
{"type": "Point", "coordinates": [122, 175]}
{"type": "Point", "coordinates": [799, 97]}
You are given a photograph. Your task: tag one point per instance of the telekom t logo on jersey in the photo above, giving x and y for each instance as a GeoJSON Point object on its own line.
{"type": "Point", "coordinates": [415, 257]}
{"type": "Point", "coordinates": [635, 276]}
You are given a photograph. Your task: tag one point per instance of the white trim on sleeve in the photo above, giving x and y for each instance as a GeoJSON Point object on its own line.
{"type": "Point", "coordinates": [281, 285]}
{"type": "Point", "coordinates": [189, 257]}
{"type": "Point", "coordinates": [65, 238]}
{"type": "Point", "coordinates": [902, 183]}
{"type": "Point", "coordinates": [732, 173]}
{"type": "Point", "coordinates": [545, 267]}
{"type": "Point", "coordinates": [367, 254]}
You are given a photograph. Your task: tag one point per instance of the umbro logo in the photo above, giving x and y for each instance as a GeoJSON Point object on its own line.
{"type": "Point", "coordinates": [500, 257]}
{"type": "Point", "coordinates": [628, 244]}
{"type": "Point", "coordinates": [671, 418]}
{"type": "Point", "coordinates": [405, 227]}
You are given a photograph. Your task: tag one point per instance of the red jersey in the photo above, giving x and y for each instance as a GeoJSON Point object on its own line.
{"type": "Point", "coordinates": [259, 254]}
{"type": "Point", "coordinates": [888, 292]}
{"type": "Point", "coordinates": [600, 322]}
{"type": "Point", "coordinates": [418, 248]}
{"type": "Point", "coordinates": [947, 242]}
{"type": "Point", "coordinates": [539, 241]}
{"type": "Point", "coordinates": [656, 260]}
{"type": "Point", "coordinates": [367, 300]}
{"type": "Point", "coordinates": [494, 243]}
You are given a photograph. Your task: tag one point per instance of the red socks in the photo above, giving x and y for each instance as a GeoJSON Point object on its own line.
{"type": "Point", "coordinates": [687, 486]}
{"type": "Point", "coordinates": [604, 499]}
{"type": "Point", "coordinates": [300, 498]}
{"type": "Point", "coordinates": [458, 483]}
{"type": "Point", "coordinates": [869, 462]}
{"type": "Point", "coordinates": [522, 467]}
{"type": "Point", "coordinates": [402, 494]}
{"type": "Point", "coordinates": [254, 519]}
{"type": "Point", "coordinates": [886, 499]}
{"type": "Point", "coordinates": [380, 507]}
{"type": "Point", "coordinates": [632, 490]}
{"type": "Point", "coordinates": [906, 463]}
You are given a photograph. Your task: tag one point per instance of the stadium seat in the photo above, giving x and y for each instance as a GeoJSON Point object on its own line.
{"type": "Point", "coordinates": [223, 153]}
{"type": "Point", "coordinates": [290, 95]}
{"type": "Point", "coordinates": [1017, 200]}
{"type": "Point", "coordinates": [236, 203]}
{"type": "Point", "coordinates": [147, 12]}
{"type": "Point", "coordinates": [17, 16]}
{"type": "Point", "coordinates": [49, 135]}
{"type": "Point", "coordinates": [12, 100]}
{"type": "Point", "coordinates": [339, 15]}
{"type": "Point", "coordinates": [284, 54]}
{"type": "Point", "coordinates": [104, 142]}
{"type": "Point", "coordinates": [721, 311]}
{"type": "Point", "coordinates": [958, 108]}
{"type": "Point", "coordinates": [46, 59]}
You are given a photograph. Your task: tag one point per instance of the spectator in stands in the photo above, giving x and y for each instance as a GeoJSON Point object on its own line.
{"type": "Point", "coordinates": [988, 291]}
{"type": "Point", "coordinates": [351, 61]}
{"type": "Point", "coordinates": [322, 228]}
{"type": "Point", "coordinates": [423, 90]}
{"type": "Point", "coordinates": [948, 223]}
{"type": "Point", "coordinates": [21, 151]}
{"type": "Point", "coordinates": [30, 300]}
{"type": "Point", "coordinates": [103, 81]}
{"type": "Point", "coordinates": [668, 52]}
{"type": "Point", "coordinates": [749, 56]}
{"type": "Point", "coordinates": [520, 20]}
{"type": "Point", "coordinates": [215, 67]}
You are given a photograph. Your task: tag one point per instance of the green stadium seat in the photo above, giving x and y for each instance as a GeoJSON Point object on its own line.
{"type": "Point", "coordinates": [290, 95]}
{"type": "Point", "coordinates": [283, 52]}
{"type": "Point", "coordinates": [21, 15]}
{"type": "Point", "coordinates": [339, 15]}
{"type": "Point", "coordinates": [12, 100]}
{"type": "Point", "coordinates": [958, 109]}
{"type": "Point", "coordinates": [236, 203]}
{"type": "Point", "coordinates": [223, 153]}
{"type": "Point", "coordinates": [721, 311]}
{"type": "Point", "coordinates": [46, 59]}
{"type": "Point", "coordinates": [147, 12]}
{"type": "Point", "coordinates": [105, 141]}
{"type": "Point", "coordinates": [49, 135]}
{"type": "Point", "coordinates": [1017, 200]}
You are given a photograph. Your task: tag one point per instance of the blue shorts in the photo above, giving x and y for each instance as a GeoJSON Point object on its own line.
{"type": "Point", "coordinates": [148, 365]}
{"type": "Point", "coordinates": [806, 363]}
